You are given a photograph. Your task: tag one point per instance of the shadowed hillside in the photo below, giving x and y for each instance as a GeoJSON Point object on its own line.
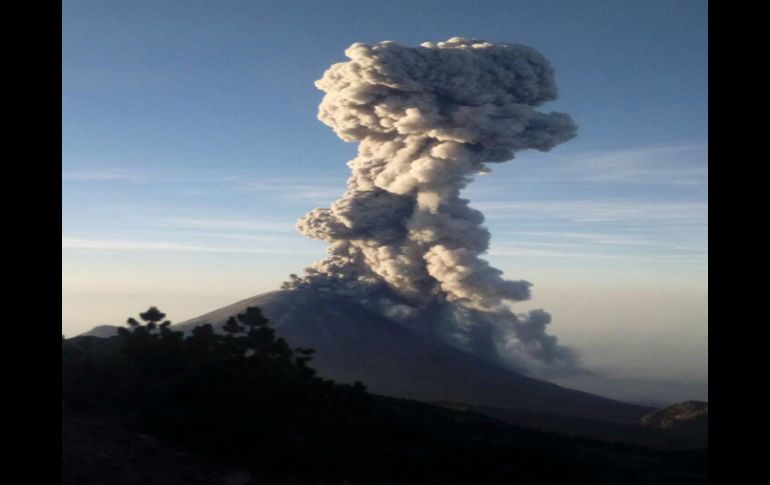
{"type": "Point", "coordinates": [355, 344]}
{"type": "Point", "coordinates": [641, 433]}
{"type": "Point", "coordinates": [219, 406]}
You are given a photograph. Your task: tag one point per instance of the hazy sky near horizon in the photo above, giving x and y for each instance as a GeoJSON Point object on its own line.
{"type": "Point", "coordinates": [190, 147]}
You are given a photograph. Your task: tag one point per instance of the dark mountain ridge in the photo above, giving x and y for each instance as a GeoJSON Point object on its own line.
{"type": "Point", "coordinates": [640, 433]}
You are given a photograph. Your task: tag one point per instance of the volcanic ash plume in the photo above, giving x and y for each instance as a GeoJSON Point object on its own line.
{"type": "Point", "coordinates": [402, 239]}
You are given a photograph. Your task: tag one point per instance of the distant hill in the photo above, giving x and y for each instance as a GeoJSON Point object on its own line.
{"type": "Point", "coordinates": [684, 416]}
{"type": "Point", "coordinates": [101, 331]}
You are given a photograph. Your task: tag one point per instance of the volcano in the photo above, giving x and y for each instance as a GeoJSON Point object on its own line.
{"type": "Point", "coordinates": [353, 343]}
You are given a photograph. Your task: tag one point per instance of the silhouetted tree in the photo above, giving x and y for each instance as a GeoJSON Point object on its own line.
{"type": "Point", "coordinates": [203, 332]}
{"type": "Point", "coordinates": [253, 318]}
{"type": "Point", "coordinates": [231, 327]}
{"type": "Point", "coordinates": [152, 316]}
{"type": "Point", "coordinates": [238, 394]}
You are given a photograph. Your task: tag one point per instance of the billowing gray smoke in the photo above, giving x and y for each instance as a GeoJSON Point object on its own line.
{"type": "Point", "coordinates": [402, 239]}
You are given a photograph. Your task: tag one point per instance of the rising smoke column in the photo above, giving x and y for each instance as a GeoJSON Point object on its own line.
{"type": "Point", "coordinates": [428, 119]}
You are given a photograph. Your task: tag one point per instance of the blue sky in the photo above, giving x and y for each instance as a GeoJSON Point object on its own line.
{"type": "Point", "coordinates": [190, 146]}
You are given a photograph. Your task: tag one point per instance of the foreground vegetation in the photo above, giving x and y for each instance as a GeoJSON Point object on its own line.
{"type": "Point", "coordinates": [244, 398]}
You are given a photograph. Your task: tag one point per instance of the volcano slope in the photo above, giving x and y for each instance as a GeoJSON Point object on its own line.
{"type": "Point", "coordinates": [353, 343]}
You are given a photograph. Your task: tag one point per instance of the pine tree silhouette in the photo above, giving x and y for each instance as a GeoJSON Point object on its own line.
{"type": "Point", "coordinates": [152, 316]}
{"type": "Point", "coordinates": [232, 327]}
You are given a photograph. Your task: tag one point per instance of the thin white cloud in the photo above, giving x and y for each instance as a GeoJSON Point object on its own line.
{"type": "Point", "coordinates": [229, 224]}
{"type": "Point", "coordinates": [290, 189]}
{"type": "Point", "coordinates": [116, 245]}
{"type": "Point", "coordinates": [522, 251]}
{"type": "Point", "coordinates": [104, 176]}
{"type": "Point", "coordinates": [571, 238]}
{"type": "Point", "coordinates": [685, 164]}
{"type": "Point", "coordinates": [274, 238]}
{"type": "Point", "coordinates": [676, 166]}
{"type": "Point", "coordinates": [599, 211]}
